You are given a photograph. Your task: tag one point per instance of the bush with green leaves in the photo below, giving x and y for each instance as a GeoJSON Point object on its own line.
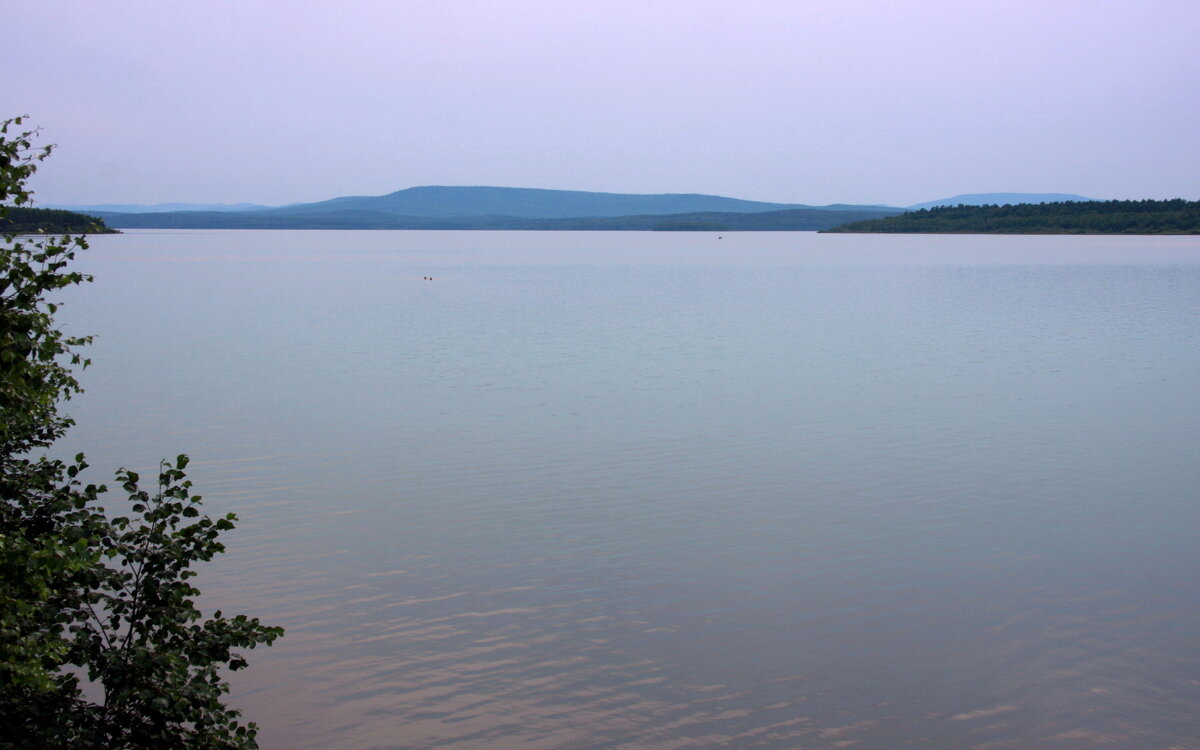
{"type": "Point", "coordinates": [102, 644]}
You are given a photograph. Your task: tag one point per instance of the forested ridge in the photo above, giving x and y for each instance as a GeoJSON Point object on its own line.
{"type": "Point", "coordinates": [1177, 216]}
{"type": "Point", "coordinates": [23, 220]}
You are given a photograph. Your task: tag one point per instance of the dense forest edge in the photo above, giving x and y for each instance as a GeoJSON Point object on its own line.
{"type": "Point", "coordinates": [1177, 216]}
{"type": "Point", "coordinates": [21, 220]}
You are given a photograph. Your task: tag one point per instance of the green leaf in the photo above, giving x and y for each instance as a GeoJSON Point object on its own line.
{"type": "Point", "coordinates": [81, 591]}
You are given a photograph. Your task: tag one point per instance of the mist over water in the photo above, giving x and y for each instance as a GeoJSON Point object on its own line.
{"type": "Point", "coordinates": [673, 490]}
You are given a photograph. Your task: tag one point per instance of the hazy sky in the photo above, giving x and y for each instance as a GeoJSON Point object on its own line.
{"type": "Point", "coordinates": [856, 101]}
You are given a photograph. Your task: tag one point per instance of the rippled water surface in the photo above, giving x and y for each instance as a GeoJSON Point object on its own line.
{"type": "Point", "coordinates": [659, 490]}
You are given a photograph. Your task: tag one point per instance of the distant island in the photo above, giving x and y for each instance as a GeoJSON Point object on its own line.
{"type": "Point", "coordinates": [441, 207]}
{"type": "Point", "coordinates": [20, 220]}
{"type": "Point", "coordinates": [1071, 217]}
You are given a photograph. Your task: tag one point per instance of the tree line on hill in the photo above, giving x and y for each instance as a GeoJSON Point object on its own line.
{"type": "Point", "coordinates": [1177, 216]}
{"type": "Point", "coordinates": [24, 220]}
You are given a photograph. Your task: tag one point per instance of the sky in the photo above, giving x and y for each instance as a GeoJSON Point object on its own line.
{"type": "Point", "coordinates": [839, 101]}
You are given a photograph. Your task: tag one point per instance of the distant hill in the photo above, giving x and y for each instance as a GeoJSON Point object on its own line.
{"type": "Point", "coordinates": [1087, 217]}
{"type": "Point", "coordinates": [1000, 199]}
{"type": "Point", "coordinates": [797, 219]}
{"type": "Point", "coordinates": [434, 207]}
{"type": "Point", "coordinates": [158, 208]}
{"type": "Point", "coordinates": [445, 202]}
{"type": "Point", "coordinates": [530, 203]}
{"type": "Point", "coordinates": [21, 220]}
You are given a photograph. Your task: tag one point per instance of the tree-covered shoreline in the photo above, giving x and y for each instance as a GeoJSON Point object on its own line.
{"type": "Point", "coordinates": [1177, 216]}
{"type": "Point", "coordinates": [24, 220]}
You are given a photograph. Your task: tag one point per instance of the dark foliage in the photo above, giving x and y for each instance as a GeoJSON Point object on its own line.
{"type": "Point", "coordinates": [1092, 217]}
{"type": "Point", "coordinates": [87, 597]}
{"type": "Point", "coordinates": [20, 220]}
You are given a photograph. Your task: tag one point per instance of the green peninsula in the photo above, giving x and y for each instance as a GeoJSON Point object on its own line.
{"type": "Point", "coordinates": [20, 220]}
{"type": "Point", "coordinates": [1176, 216]}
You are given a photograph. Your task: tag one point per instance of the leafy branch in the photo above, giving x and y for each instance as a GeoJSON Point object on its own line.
{"type": "Point", "coordinates": [83, 592]}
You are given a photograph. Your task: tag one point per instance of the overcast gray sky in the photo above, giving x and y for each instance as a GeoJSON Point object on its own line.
{"type": "Point", "coordinates": [854, 101]}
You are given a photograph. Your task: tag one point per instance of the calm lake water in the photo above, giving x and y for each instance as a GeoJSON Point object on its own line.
{"type": "Point", "coordinates": [674, 490]}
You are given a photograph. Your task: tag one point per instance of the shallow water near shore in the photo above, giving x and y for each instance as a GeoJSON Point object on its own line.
{"type": "Point", "coordinates": [677, 490]}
